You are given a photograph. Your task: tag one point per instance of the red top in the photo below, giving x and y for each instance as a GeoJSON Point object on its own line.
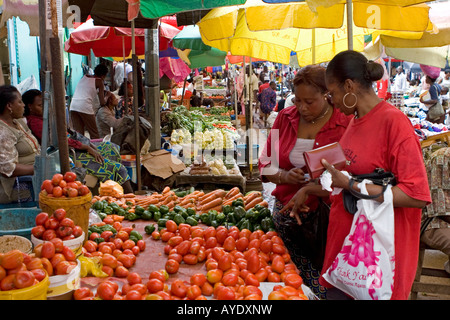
{"type": "Point", "coordinates": [263, 86]}
{"type": "Point", "coordinates": [35, 124]}
{"type": "Point", "coordinates": [384, 138]}
{"type": "Point", "coordinates": [286, 124]}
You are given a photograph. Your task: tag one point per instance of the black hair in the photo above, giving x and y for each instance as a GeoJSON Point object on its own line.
{"type": "Point", "coordinates": [313, 75]}
{"type": "Point", "coordinates": [101, 70]}
{"type": "Point", "coordinates": [353, 65]}
{"type": "Point", "coordinates": [7, 95]}
{"type": "Point", "coordinates": [28, 98]}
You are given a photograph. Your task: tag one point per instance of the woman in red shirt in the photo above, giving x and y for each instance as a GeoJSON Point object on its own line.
{"type": "Point", "coordinates": [379, 136]}
{"type": "Point", "coordinates": [311, 123]}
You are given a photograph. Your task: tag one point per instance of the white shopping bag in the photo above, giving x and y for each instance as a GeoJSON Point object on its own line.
{"type": "Point", "coordinates": [364, 268]}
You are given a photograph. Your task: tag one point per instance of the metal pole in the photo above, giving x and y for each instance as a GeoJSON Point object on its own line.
{"type": "Point", "coordinates": [350, 24]}
{"type": "Point", "coordinates": [136, 110]}
{"type": "Point", "coordinates": [313, 44]}
{"type": "Point", "coordinates": [153, 108]}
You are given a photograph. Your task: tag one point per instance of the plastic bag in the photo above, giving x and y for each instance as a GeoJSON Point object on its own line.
{"type": "Point", "coordinates": [110, 188]}
{"type": "Point", "coordinates": [364, 268]}
{"type": "Point", "coordinates": [91, 266]}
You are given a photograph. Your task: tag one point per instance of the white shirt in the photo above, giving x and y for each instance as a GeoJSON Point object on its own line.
{"type": "Point", "coordinates": [85, 98]}
{"type": "Point", "coordinates": [118, 73]}
{"type": "Point", "coordinates": [296, 154]}
{"type": "Point", "coordinates": [400, 83]}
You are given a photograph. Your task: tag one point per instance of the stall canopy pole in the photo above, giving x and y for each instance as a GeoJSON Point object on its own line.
{"type": "Point", "coordinates": [125, 78]}
{"type": "Point", "coordinates": [59, 92]}
{"type": "Point", "coordinates": [153, 108]}
{"type": "Point", "coordinates": [136, 109]}
{"type": "Point", "coordinates": [350, 24]}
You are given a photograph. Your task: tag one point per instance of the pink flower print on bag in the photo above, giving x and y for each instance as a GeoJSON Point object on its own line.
{"type": "Point", "coordinates": [361, 247]}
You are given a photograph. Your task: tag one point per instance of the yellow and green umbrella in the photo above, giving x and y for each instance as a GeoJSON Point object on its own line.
{"type": "Point", "coordinates": [228, 29]}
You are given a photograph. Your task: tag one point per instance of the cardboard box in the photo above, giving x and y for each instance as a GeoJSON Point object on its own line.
{"type": "Point", "coordinates": [162, 163]}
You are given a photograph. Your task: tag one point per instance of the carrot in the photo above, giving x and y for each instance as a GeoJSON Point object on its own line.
{"type": "Point", "coordinates": [213, 203]}
{"type": "Point", "coordinates": [264, 203]}
{"type": "Point", "coordinates": [166, 189]}
{"type": "Point", "coordinates": [253, 203]}
{"type": "Point", "coordinates": [221, 193]}
{"type": "Point", "coordinates": [206, 195]}
{"type": "Point", "coordinates": [232, 192]}
{"type": "Point", "coordinates": [252, 195]}
{"type": "Point", "coordinates": [230, 201]}
{"type": "Point", "coordinates": [239, 195]}
{"type": "Point", "coordinates": [217, 208]}
{"type": "Point", "coordinates": [167, 200]}
{"type": "Point", "coordinates": [171, 204]}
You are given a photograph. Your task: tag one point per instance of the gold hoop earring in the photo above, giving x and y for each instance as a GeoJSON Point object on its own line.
{"type": "Point", "coordinates": [345, 96]}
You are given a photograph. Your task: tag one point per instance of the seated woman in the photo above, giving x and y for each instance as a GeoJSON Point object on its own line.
{"type": "Point", "coordinates": [105, 116]}
{"type": "Point", "coordinates": [19, 147]}
{"type": "Point", "coordinates": [125, 108]}
{"type": "Point", "coordinates": [101, 161]}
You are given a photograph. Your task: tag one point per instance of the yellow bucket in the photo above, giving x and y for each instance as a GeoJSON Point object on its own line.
{"type": "Point", "coordinates": [36, 292]}
{"type": "Point", "coordinates": [77, 208]}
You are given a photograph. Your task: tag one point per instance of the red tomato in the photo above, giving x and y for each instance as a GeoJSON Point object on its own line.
{"type": "Point", "coordinates": [141, 245]}
{"type": "Point", "coordinates": [12, 259]}
{"type": "Point", "coordinates": [59, 214]}
{"type": "Point", "coordinates": [133, 295]}
{"type": "Point", "coordinates": [221, 235]}
{"type": "Point", "coordinates": [278, 264]}
{"type": "Point", "coordinates": [226, 293]}
{"type": "Point", "coordinates": [64, 267]}
{"type": "Point", "coordinates": [7, 282]}
{"type": "Point", "coordinates": [63, 232]}
{"type": "Point", "coordinates": [171, 226]}
{"type": "Point", "coordinates": [121, 272]}
{"type": "Point", "coordinates": [39, 274]}
{"type": "Point", "coordinates": [225, 262]}
{"type": "Point", "coordinates": [56, 179]}
{"type": "Point", "coordinates": [69, 254]}
{"type": "Point", "coordinates": [41, 218]}
{"type": "Point", "coordinates": [57, 191]}
{"type": "Point", "coordinates": [178, 288]}
{"type": "Point", "coordinates": [229, 244]}
{"type": "Point", "coordinates": [48, 235]}
{"type": "Point", "coordinates": [63, 184]}
{"type": "Point", "coordinates": [157, 275]}
{"type": "Point", "coordinates": [154, 285]}
{"type": "Point", "coordinates": [58, 243]}
{"type": "Point", "coordinates": [67, 222]}
{"type": "Point", "coordinates": [72, 185]}
{"type": "Point", "coordinates": [172, 266]}
{"type": "Point", "coordinates": [48, 250]}
{"type": "Point", "coordinates": [193, 292]}
{"type": "Point", "coordinates": [77, 231]}
{"type": "Point", "coordinates": [230, 279]}
{"type": "Point", "coordinates": [82, 293]}
{"type": "Point", "coordinates": [294, 280]}
{"type": "Point", "coordinates": [38, 231]}
{"type": "Point", "coordinates": [72, 193]}
{"type": "Point", "coordinates": [133, 278]}
{"type": "Point", "coordinates": [70, 176]}
{"type": "Point", "coordinates": [106, 291]}
{"type": "Point", "coordinates": [253, 263]}
{"type": "Point", "coordinates": [51, 223]}
{"type": "Point", "coordinates": [109, 260]}
{"type": "Point", "coordinates": [57, 258]}
{"type": "Point", "coordinates": [83, 190]}
{"type": "Point", "coordinates": [251, 280]}
{"type": "Point", "coordinates": [24, 279]}
{"type": "Point", "coordinates": [183, 247]}
{"type": "Point", "coordinates": [190, 259]}
{"type": "Point", "coordinates": [198, 279]}
{"type": "Point", "coordinates": [47, 185]}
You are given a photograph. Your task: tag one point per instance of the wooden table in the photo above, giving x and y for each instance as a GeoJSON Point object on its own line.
{"type": "Point", "coordinates": [443, 137]}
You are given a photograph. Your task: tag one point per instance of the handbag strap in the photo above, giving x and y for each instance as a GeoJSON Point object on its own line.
{"type": "Point", "coordinates": [365, 196]}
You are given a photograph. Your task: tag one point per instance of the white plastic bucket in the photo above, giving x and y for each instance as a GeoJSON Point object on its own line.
{"type": "Point", "coordinates": [75, 245]}
{"type": "Point", "coordinates": [60, 285]}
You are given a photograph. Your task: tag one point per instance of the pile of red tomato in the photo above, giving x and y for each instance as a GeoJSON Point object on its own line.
{"type": "Point", "coordinates": [65, 185]}
{"type": "Point", "coordinates": [55, 226]}
{"type": "Point", "coordinates": [117, 252]}
{"type": "Point", "coordinates": [234, 259]}
{"type": "Point", "coordinates": [20, 270]}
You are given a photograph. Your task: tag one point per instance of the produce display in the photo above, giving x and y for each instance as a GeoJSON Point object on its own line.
{"type": "Point", "coordinates": [64, 186]}
{"type": "Point", "coordinates": [55, 226]}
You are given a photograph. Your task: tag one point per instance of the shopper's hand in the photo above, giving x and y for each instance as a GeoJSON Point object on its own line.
{"type": "Point", "coordinates": [293, 176]}
{"type": "Point", "coordinates": [296, 205]}
{"type": "Point", "coordinates": [339, 180]}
